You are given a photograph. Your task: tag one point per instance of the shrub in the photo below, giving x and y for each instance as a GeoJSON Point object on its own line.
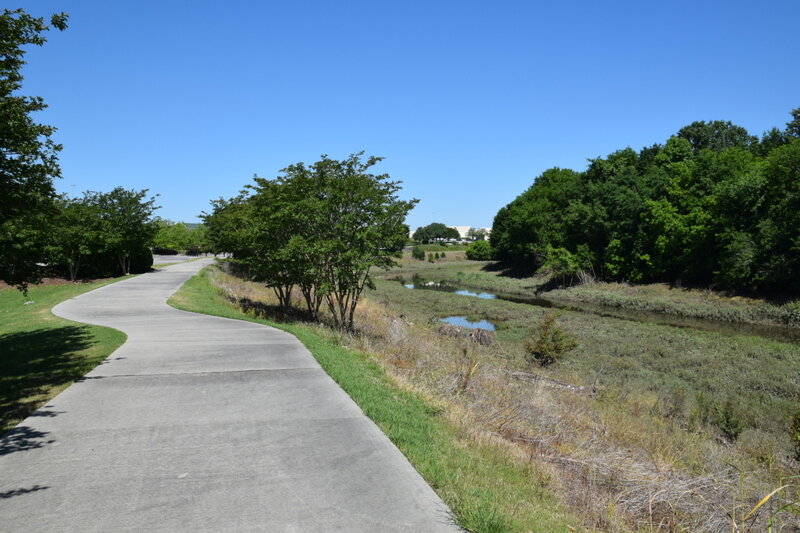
{"type": "Point", "coordinates": [549, 342]}
{"type": "Point", "coordinates": [158, 250]}
{"type": "Point", "coordinates": [480, 251]}
{"type": "Point", "coordinates": [430, 258]}
{"type": "Point", "coordinates": [418, 253]}
{"type": "Point", "coordinates": [795, 435]}
{"type": "Point", "coordinates": [728, 420]}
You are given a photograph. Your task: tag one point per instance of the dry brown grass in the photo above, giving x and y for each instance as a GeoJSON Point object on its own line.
{"type": "Point", "coordinates": [622, 469]}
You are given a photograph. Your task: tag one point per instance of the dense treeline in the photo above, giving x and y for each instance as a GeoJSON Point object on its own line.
{"type": "Point", "coordinates": [714, 204]}
{"type": "Point", "coordinates": [99, 234]}
{"type": "Point", "coordinates": [316, 229]}
{"type": "Point", "coordinates": [41, 233]}
{"type": "Point", "coordinates": [176, 237]}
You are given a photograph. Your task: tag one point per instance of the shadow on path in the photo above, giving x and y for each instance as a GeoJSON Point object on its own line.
{"type": "Point", "coordinates": [19, 492]}
{"type": "Point", "coordinates": [21, 439]}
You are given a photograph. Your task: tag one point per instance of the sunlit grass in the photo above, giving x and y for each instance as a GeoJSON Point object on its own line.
{"type": "Point", "coordinates": [42, 354]}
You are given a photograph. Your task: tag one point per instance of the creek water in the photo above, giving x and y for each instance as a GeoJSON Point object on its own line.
{"type": "Point", "coordinates": [774, 332]}
{"type": "Point", "coordinates": [462, 322]}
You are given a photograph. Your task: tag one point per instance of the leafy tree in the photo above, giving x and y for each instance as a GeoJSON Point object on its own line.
{"type": "Point", "coordinates": [126, 223]}
{"type": "Point", "coordinates": [74, 234]}
{"type": "Point", "coordinates": [711, 205]}
{"type": "Point", "coordinates": [476, 234]}
{"type": "Point", "coordinates": [28, 155]}
{"type": "Point", "coordinates": [793, 126]}
{"type": "Point", "coordinates": [418, 253]}
{"type": "Point", "coordinates": [228, 226]}
{"type": "Point", "coordinates": [322, 228]}
{"type": "Point", "coordinates": [435, 231]}
{"type": "Point", "coordinates": [716, 135]}
{"type": "Point", "coordinates": [178, 236]}
{"type": "Point", "coordinates": [479, 251]}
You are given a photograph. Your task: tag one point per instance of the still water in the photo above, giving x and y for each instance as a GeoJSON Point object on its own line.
{"type": "Point", "coordinates": [779, 333]}
{"type": "Point", "coordinates": [462, 322]}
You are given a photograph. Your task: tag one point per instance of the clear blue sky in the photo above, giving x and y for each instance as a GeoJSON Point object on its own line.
{"type": "Point", "coordinates": [468, 101]}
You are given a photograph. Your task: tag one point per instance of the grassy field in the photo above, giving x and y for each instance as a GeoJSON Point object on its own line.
{"type": "Point", "coordinates": [487, 489]}
{"type": "Point", "coordinates": [701, 405]}
{"type": "Point", "coordinates": [43, 354]}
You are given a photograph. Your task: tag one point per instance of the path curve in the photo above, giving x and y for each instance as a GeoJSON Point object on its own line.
{"type": "Point", "coordinates": [200, 423]}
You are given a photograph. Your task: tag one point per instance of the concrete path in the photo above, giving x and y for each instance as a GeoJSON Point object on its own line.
{"type": "Point", "coordinates": [200, 423]}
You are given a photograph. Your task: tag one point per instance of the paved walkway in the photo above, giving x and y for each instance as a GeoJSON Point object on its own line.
{"type": "Point", "coordinates": [200, 423]}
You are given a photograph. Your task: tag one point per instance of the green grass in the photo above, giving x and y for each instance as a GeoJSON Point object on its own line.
{"type": "Point", "coordinates": [42, 354]}
{"type": "Point", "coordinates": [487, 490]}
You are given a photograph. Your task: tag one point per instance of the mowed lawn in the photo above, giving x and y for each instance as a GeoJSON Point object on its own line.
{"type": "Point", "coordinates": [42, 354]}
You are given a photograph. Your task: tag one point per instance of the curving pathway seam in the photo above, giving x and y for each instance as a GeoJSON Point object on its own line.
{"type": "Point", "coordinates": [201, 423]}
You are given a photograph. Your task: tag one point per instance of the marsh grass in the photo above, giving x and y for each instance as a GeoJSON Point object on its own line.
{"type": "Point", "coordinates": [641, 454]}
{"type": "Point", "coordinates": [658, 298]}
{"type": "Point", "coordinates": [42, 354]}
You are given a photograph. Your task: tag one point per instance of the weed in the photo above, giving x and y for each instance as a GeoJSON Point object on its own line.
{"type": "Point", "coordinates": [467, 368]}
{"type": "Point", "coordinates": [794, 434]}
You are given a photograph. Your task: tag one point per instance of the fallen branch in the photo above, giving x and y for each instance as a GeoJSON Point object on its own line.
{"type": "Point", "coordinates": [554, 383]}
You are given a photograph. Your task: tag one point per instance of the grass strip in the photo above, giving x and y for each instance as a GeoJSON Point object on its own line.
{"type": "Point", "coordinates": [42, 354]}
{"type": "Point", "coordinates": [487, 490]}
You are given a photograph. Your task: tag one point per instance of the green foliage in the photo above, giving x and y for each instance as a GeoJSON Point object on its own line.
{"type": "Point", "coordinates": [434, 232]}
{"type": "Point", "coordinates": [477, 234]}
{"type": "Point", "coordinates": [728, 420]}
{"type": "Point", "coordinates": [126, 224]}
{"type": "Point", "coordinates": [716, 135]}
{"type": "Point", "coordinates": [74, 234]}
{"type": "Point", "coordinates": [418, 253]}
{"type": "Point", "coordinates": [42, 353]}
{"type": "Point", "coordinates": [794, 434]}
{"type": "Point", "coordinates": [549, 342]}
{"type": "Point", "coordinates": [712, 205]}
{"type": "Point", "coordinates": [28, 155]}
{"type": "Point", "coordinates": [86, 236]}
{"type": "Point", "coordinates": [320, 228]}
{"type": "Point", "coordinates": [565, 266]}
{"type": "Point", "coordinates": [179, 237]}
{"type": "Point", "coordinates": [480, 250]}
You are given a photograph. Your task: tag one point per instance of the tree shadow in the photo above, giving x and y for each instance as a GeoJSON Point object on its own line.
{"type": "Point", "coordinates": [33, 362]}
{"type": "Point", "coordinates": [509, 271]}
{"type": "Point", "coordinates": [19, 492]}
{"type": "Point", "coordinates": [22, 438]}
{"type": "Point", "coordinates": [263, 310]}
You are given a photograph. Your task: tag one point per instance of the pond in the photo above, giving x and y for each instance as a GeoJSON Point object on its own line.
{"type": "Point", "coordinates": [418, 283]}
{"type": "Point", "coordinates": [462, 322]}
{"type": "Point", "coordinates": [779, 333]}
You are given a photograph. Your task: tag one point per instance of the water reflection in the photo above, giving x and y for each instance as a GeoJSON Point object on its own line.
{"type": "Point", "coordinates": [462, 322]}
{"type": "Point", "coordinates": [419, 283]}
{"type": "Point", "coordinates": [779, 333]}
